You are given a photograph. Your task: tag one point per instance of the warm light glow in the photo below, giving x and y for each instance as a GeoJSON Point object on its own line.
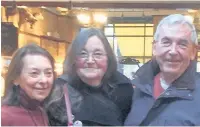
{"type": "Point", "coordinates": [39, 16]}
{"type": "Point", "coordinates": [192, 10]}
{"type": "Point", "coordinates": [189, 18]}
{"type": "Point", "coordinates": [58, 68]}
{"type": "Point", "coordinates": [100, 18]}
{"type": "Point", "coordinates": [83, 18]}
{"type": "Point", "coordinates": [22, 6]}
{"type": "Point", "coordinates": [62, 9]}
{"type": "Point", "coordinates": [43, 7]}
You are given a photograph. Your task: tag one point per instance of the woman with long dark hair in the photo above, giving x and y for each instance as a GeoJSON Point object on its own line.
{"type": "Point", "coordinates": [28, 83]}
{"type": "Point", "coordinates": [98, 93]}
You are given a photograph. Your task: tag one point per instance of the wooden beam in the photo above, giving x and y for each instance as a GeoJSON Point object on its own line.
{"type": "Point", "coordinates": [98, 5]}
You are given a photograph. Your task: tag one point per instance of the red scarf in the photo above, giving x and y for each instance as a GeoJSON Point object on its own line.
{"type": "Point", "coordinates": [157, 89]}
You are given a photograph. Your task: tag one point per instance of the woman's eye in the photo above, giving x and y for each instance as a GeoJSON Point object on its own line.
{"type": "Point", "coordinates": [49, 74]}
{"type": "Point", "coordinates": [34, 74]}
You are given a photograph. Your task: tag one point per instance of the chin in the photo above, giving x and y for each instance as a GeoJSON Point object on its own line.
{"type": "Point", "coordinates": [40, 99]}
{"type": "Point", "coordinates": [91, 76]}
{"type": "Point", "coordinates": [171, 72]}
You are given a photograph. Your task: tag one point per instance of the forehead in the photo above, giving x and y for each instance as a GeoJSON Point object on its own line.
{"type": "Point", "coordinates": [182, 31]}
{"type": "Point", "coordinates": [36, 61]}
{"type": "Point", "coordinates": [94, 43]}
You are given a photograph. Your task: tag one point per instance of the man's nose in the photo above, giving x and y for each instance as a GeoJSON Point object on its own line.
{"type": "Point", "coordinates": [173, 49]}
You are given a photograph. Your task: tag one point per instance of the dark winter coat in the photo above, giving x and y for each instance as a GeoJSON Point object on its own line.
{"type": "Point", "coordinates": [179, 105]}
{"type": "Point", "coordinates": [106, 105]}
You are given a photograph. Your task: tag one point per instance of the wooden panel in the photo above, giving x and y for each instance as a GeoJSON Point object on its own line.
{"type": "Point", "coordinates": [50, 46]}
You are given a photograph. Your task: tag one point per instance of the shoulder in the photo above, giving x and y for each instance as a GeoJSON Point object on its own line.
{"type": "Point", "coordinates": [122, 83]}
{"type": "Point", "coordinates": [60, 80]}
{"type": "Point", "coordinates": [120, 80]}
{"type": "Point", "coordinates": [6, 115]}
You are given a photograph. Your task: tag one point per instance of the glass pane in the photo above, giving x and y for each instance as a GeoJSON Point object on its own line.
{"type": "Point", "coordinates": [108, 25]}
{"type": "Point", "coordinates": [149, 24]}
{"type": "Point", "coordinates": [131, 46]}
{"type": "Point", "coordinates": [129, 24]}
{"type": "Point", "coordinates": [149, 31]}
{"type": "Point", "coordinates": [129, 31]}
{"type": "Point", "coordinates": [146, 60]}
{"type": "Point", "coordinates": [109, 31]}
{"type": "Point", "coordinates": [198, 67]}
{"type": "Point", "coordinates": [140, 60]}
{"type": "Point", "coordinates": [129, 70]}
{"type": "Point", "coordinates": [198, 56]}
{"type": "Point", "coordinates": [148, 46]}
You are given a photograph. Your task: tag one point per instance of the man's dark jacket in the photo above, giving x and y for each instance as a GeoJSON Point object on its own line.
{"type": "Point", "coordinates": [179, 105]}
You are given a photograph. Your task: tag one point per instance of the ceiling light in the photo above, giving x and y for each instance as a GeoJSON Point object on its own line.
{"type": "Point", "coordinates": [83, 18]}
{"type": "Point", "coordinates": [100, 18]}
{"type": "Point", "coordinates": [22, 6]}
{"type": "Point", "coordinates": [43, 7]}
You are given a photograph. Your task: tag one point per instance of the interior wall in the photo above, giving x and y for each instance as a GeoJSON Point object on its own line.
{"type": "Point", "coordinates": [60, 27]}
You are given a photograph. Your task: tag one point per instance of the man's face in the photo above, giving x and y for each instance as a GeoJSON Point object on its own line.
{"type": "Point", "coordinates": [174, 49]}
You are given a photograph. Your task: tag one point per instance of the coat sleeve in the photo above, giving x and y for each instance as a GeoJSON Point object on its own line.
{"type": "Point", "coordinates": [6, 118]}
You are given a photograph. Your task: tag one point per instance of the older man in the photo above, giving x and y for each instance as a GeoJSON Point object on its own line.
{"type": "Point", "coordinates": [167, 87]}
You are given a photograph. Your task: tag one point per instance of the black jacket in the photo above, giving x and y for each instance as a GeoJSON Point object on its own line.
{"type": "Point", "coordinates": [107, 105]}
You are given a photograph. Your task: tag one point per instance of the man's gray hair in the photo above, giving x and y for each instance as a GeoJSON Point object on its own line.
{"type": "Point", "coordinates": [177, 19]}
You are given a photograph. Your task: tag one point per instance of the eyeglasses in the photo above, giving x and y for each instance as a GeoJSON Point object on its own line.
{"type": "Point", "coordinates": [96, 55]}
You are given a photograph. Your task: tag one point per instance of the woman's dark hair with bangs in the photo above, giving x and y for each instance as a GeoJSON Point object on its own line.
{"type": "Point", "coordinates": [77, 46]}
{"type": "Point", "coordinates": [15, 68]}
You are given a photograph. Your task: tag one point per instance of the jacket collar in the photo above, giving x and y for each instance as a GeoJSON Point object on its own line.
{"type": "Point", "coordinates": [148, 71]}
{"type": "Point", "coordinates": [27, 102]}
{"type": "Point", "coordinates": [118, 78]}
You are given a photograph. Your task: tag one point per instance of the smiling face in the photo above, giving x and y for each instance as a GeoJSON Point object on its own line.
{"type": "Point", "coordinates": [174, 49]}
{"type": "Point", "coordinates": [91, 63]}
{"type": "Point", "coordinates": [36, 77]}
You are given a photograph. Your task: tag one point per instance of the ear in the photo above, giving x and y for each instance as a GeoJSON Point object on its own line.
{"type": "Point", "coordinates": [16, 81]}
{"type": "Point", "coordinates": [193, 52]}
{"type": "Point", "coordinates": [154, 48]}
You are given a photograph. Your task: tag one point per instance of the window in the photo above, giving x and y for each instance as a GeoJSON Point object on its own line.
{"type": "Point", "coordinates": [133, 40]}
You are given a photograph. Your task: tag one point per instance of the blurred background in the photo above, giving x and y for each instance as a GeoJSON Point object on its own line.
{"type": "Point", "coordinates": [129, 27]}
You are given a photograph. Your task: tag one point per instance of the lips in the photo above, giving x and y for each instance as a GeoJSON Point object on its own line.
{"type": "Point", "coordinates": [40, 89]}
{"type": "Point", "coordinates": [173, 61]}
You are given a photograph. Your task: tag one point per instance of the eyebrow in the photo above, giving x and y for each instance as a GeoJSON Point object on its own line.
{"type": "Point", "coordinates": [165, 38]}
{"type": "Point", "coordinates": [98, 49]}
{"type": "Point", "coordinates": [184, 41]}
{"type": "Point", "coordinates": [39, 69]}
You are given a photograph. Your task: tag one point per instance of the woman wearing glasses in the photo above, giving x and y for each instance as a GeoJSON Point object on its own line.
{"type": "Point", "coordinates": [97, 94]}
{"type": "Point", "coordinates": [28, 82]}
